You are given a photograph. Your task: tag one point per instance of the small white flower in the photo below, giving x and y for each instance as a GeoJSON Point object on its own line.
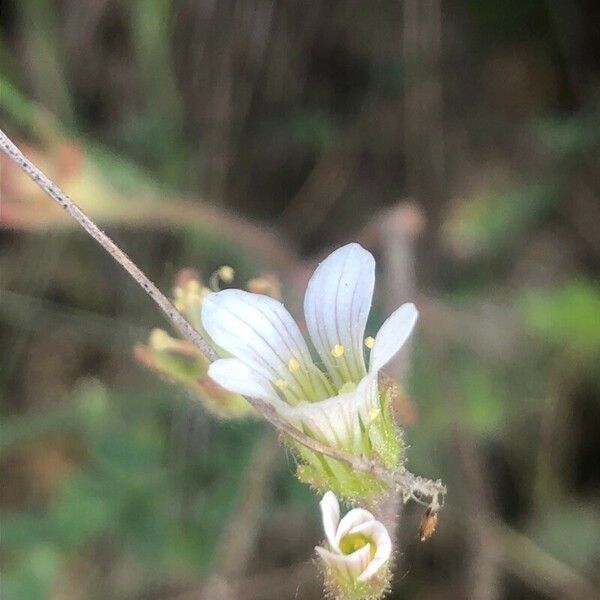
{"type": "Point", "coordinates": [271, 360]}
{"type": "Point", "coordinates": [358, 546]}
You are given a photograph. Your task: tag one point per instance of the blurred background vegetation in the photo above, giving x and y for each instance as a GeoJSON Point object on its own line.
{"type": "Point", "coordinates": [258, 134]}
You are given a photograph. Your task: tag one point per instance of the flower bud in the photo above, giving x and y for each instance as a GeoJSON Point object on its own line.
{"type": "Point", "coordinates": [355, 554]}
{"type": "Point", "coordinates": [182, 362]}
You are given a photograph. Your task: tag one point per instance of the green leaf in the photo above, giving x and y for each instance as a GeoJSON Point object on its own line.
{"type": "Point", "coordinates": [485, 409]}
{"type": "Point", "coordinates": [568, 315]}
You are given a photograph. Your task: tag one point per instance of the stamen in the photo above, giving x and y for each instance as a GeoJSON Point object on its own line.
{"type": "Point", "coordinates": [226, 273]}
{"type": "Point", "coordinates": [293, 365]}
{"type": "Point", "coordinates": [369, 342]}
{"type": "Point", "coordinates": [289, 392]}
{"type": "Point", "coordinates": [337, 351]}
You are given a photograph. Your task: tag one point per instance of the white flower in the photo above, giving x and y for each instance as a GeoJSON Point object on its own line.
{"type": "Point", "coordinates": [358, 546]}
{"type": "Point", "coordinates": [271, 360]}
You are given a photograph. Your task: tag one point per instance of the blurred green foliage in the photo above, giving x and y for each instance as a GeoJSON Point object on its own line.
{"type": "Point", "coordinates": [567, 317]}
{"type": "Point", "coordinates": [158, 513]}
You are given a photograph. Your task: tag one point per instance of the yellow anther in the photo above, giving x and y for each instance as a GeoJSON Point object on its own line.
{"type": "Point", "coordinates": [369, 342]}
{"type": "Point", "coordinates": [337, 351]}
{"type": "Point", "coordinates": [293, 365]}
{"type": "Point", "coordinates": [281, 384]}
{"type": "Point", "coordinates": [226, 273]}
{"type": "Point", "coordinates": [179, 304]}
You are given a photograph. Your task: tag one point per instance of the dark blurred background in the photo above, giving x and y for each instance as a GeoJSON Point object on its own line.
{"type": "Point", "coordinates": [259, 134]}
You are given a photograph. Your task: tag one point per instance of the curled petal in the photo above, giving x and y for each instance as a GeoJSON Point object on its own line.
{"type": "Point", "coordinates": [330, 510]}
{"type": "Point", "coordinates": [336, 307]}
{"type": "Point", "coordinates": [235, 376]}
{"type": "Point", "coordinates": [348, 566]}
{"type": "Point", "coordinates": [350, 521]}
{"type": "Point", "coordinates": [349, 569]}
{"type": "Point", "coordinates": [378, 534]}
{"type": "Point", "coordinates": [392, 335]}
{"type": "Point", "coordinates": [262, 334]}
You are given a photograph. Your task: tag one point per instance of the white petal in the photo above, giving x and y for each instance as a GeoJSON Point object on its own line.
{"type": "Point", "coordinates": [337, 420]}
{"type": "Point", "coordinates": [260, 332]}
{"type": "Point", "coordinates": [237, 377]}
{"type": "Point", "coordinates": [330, 510]}
{"type": "Point", "coordinates": [352, 519]}
{"type": "Point", "coordinates": [380, 537]}
{"type": "Point", "coordinates": [392, 335]}
{"type": "Point", "coordinates": [336, 307]}
{"type": "Point", "coordinates": [349, 566]}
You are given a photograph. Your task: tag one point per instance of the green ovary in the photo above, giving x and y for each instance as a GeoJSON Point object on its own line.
{"type": "Point", "coordinates": [355, 541]}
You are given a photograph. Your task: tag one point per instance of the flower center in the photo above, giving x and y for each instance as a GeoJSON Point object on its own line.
{"type": "Point", "coordinates": [355, 541]}
{"type": "Point", "coordinates": [347, 388]}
